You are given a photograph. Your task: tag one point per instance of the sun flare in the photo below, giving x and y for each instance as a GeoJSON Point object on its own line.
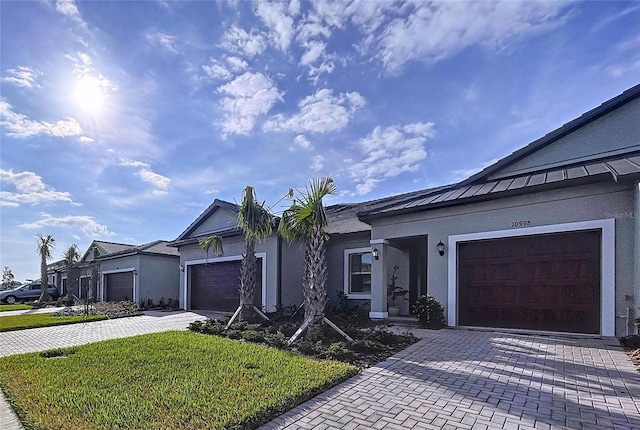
{"type": "Point", "coordinates": [89, 96]}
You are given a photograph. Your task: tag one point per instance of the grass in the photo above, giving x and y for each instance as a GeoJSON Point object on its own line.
{"type": "Point", "coordinates": [20, 322]}
{"type": "Point", "coordinates": [171, 380]}
{"type": "Point", "coordinates": [18, 307]}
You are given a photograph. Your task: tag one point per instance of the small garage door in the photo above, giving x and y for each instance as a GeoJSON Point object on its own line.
{"type": "Point", "coordinates": [547, 282]}
{"type": "Point", "coordinates": [119, 286]}
{"type": "Point", "coordinates": [214, 286]}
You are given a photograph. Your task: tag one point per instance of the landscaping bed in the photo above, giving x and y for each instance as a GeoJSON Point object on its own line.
{"type": "Point", "coordinates": [631, 345]}
{"type": "Point", "coordinates": [171, 380]}
{"type": "Point", "coordinates": [371, 343]}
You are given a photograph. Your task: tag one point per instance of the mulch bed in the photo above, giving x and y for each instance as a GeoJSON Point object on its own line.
{"type": "Point", "coordinates": [631, 345]}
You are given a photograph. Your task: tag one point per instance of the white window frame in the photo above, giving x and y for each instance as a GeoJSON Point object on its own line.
{"type": "Point", "coordinates": [347, 272]}
{"type": "Point", "coordinates": [607, 263]}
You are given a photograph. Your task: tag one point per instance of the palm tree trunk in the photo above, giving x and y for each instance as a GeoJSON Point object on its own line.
{"type": "Point", "coordinates": [315, 283]}
{"type": "Point", "coordinates": [247, 279]}
{"type": "Point", "coordinates": [44, 283]}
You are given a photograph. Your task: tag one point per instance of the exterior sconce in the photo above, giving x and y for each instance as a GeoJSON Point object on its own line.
{"type": "Point", "coordinates": [440, 247]}
{"type": "Point", "coordinates": [182, 267]}
{"type": "Point", "coordinates": [374, 253]}
{"type": "Point", "coordinates": [135, 272]}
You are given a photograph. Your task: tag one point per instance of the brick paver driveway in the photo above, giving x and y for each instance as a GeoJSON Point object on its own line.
{"type": "Point", "coordinates": [459, 379]}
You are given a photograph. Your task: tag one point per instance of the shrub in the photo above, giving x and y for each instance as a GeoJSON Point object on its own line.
{"type": "Point", "coordinates": [429, 312]}
{"type": "Point", "coordinates": [117, 309]}
{"type": "Point", "coordinates": [337, 351]}
{"type": "Point", "coordinates": [252, 336]}
{"type": "Point", "coordinates": [277, 340]}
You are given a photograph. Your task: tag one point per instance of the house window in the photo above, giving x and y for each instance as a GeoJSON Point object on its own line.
{"type": "Point", "coordinates": [357, 271]}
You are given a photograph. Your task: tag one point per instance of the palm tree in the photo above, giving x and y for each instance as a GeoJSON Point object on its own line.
{"type": "Point", "coordinates": [45, 246]}
{"type": "Point", "coordinates": [256, 222]}
{"type": "Point", "coordinates": [306, 221]}
{"type": "Point", "coordinates": [71, 257]}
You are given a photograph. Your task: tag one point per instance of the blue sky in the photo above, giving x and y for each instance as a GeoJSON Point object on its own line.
{"type": "Point", "coordinates": [123, 121]}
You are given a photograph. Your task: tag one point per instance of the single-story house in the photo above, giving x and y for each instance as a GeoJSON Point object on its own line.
{"type": "Point", "coordinates": [111, 271]}
{"type": "Point", "coordinates": [545, 239]}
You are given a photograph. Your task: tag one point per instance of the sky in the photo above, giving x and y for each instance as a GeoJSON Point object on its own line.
{"type": "Point", "coordinates": [123, 120]}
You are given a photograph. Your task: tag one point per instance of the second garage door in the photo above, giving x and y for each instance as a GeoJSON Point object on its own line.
{"type": "Point", "coordinates": [214, 286]}
{"type": "Point", "coordinates": [119, 286]}
{"type": "Point", "coordinates": [547, 282]}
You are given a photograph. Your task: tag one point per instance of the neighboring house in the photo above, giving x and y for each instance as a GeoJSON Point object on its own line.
{"type": "Point", "coordinates": [547, 238]}
{"type": "Point", "coordinates": [124, 272]}
{"type": "Point", "coordinates": [212, 282]}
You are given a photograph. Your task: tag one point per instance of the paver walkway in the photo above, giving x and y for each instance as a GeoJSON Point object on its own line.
{"type": "Point", "coordinates": [459, 379]}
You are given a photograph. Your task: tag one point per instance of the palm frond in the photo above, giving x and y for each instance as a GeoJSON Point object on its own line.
{"type": "Point", "coordinates": [71, 255]}
{"type": "Point", "coordinates": [213, 243]}
{"type": "Point", "coordinates": [254, 218]}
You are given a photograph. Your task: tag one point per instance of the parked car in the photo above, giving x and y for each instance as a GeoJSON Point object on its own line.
{"type": "Point", "coordinates": [27, 292]}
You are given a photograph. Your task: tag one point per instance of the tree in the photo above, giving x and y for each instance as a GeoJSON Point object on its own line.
{"type": "Point", "coordinates": [45, 245]}
{"type": "Point", "coordinates": [256, 222]}
{"type": "Point", "coordinates": [306, 221]}
{"type": "Point", "coordinates": [71, 257]}
{"type": "Point", "coordinates": [8, 280]}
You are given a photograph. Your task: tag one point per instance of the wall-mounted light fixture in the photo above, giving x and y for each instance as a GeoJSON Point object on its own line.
{"type": "Point", "coordinates": [135, 272]}
{"type": "Point", "coordinates": [440, 247]}
{"type": "Point", "coordinates": [374, 253]}
{"type": "Point", "coordinates": [182, 267]}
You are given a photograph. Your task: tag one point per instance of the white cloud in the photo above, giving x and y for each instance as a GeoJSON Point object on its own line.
{"type": "Point", "coordinates": [165, 41]}
{"type": "Point", "coordinates": [161, 183]}
{"type": "Point", "coordinates": [67, 7]}
{"type": "Point", "coordinates": [85, 139]}
{"type": "Point", "coordinates": [321, 112]}
{"type": "Point", "coordinates": [465, 173]}
{"type": "Point", "coordinates": [303, 142]}
{"type": "Point", "coordinates": [314, 50]}
{"type": "Point", "coordinates": [22, 76]}
{"type": "Point", "coordinates": [29, 190]}
{"type": "Point", "coordinates": [434, 31]}
{"type": "Point", "coordinates": [86, 224]}
{"type": "Point", "coordinates": [218, 70]}
{"type": "Point", "coordinates": [237, 40]}
{"type": "Point", "coordinates": [276, 16]}
{"type": "Point", "coordinates": [247, 97]}
{"type": "Point", "coordinates": [389, 152]}
{"type": "Point", "coordinates": [317, 163]}
{"type": "Point", "coordinates": [18, 125]}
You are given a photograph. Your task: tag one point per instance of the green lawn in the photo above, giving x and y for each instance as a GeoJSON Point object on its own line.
{"type": "Point", "coordinates": [171, 380]}
{"type": "Point", "coordinates": [4, 307]}
{"type": "Point", "coordinates": [19, 322]}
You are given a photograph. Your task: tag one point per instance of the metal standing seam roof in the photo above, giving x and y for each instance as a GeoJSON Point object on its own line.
{"type": "Point", "coordinates": [616, 168]}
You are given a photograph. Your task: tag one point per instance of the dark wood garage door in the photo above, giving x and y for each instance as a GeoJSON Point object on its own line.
{"type": "Point", "coordinates": [214, 286]}
{"type": "Point", "coordinates": [119, 286]}
{"type": "Point", "coordinates": [547, 282]}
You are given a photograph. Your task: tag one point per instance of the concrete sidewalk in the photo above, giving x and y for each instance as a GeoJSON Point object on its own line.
{"type": "Point", "coordinates": [31, 311]}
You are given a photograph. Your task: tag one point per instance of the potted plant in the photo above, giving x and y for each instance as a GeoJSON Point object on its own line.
{"type": "Point", "coordinates": [394, 293]}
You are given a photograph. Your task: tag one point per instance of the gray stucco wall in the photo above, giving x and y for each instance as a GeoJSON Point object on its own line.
{"type": "Point", "coordinates": [291, 265]}
{"type": "Point", "coordinates": [220, 220]}
{"type": "Point", "coordinates": [588, 202]}
{"type": "Point", "coordinates": [619, 130]}
{"type": "Point", "coordinates": [158, 276]}
{"type": "Point", "coordinates": [234, 247]}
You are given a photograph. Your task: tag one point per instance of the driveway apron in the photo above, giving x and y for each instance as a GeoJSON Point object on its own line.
{"type": "Point", "coordinates": [462, 379]}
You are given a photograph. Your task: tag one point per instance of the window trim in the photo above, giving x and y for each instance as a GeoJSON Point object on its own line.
{"type": "Point", "coordinates": [347, 272]}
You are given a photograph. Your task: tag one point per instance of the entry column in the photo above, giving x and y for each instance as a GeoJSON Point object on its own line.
{"type": "Point", "coordinates": [378, 276]}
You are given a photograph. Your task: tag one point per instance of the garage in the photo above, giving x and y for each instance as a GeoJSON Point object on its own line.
{"type": "Point", "coordinates": [119, 286]}
{"type": "Point", "coordinates": [214, 286]}
{"type": "Point", "coordinates": [544, 282]}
